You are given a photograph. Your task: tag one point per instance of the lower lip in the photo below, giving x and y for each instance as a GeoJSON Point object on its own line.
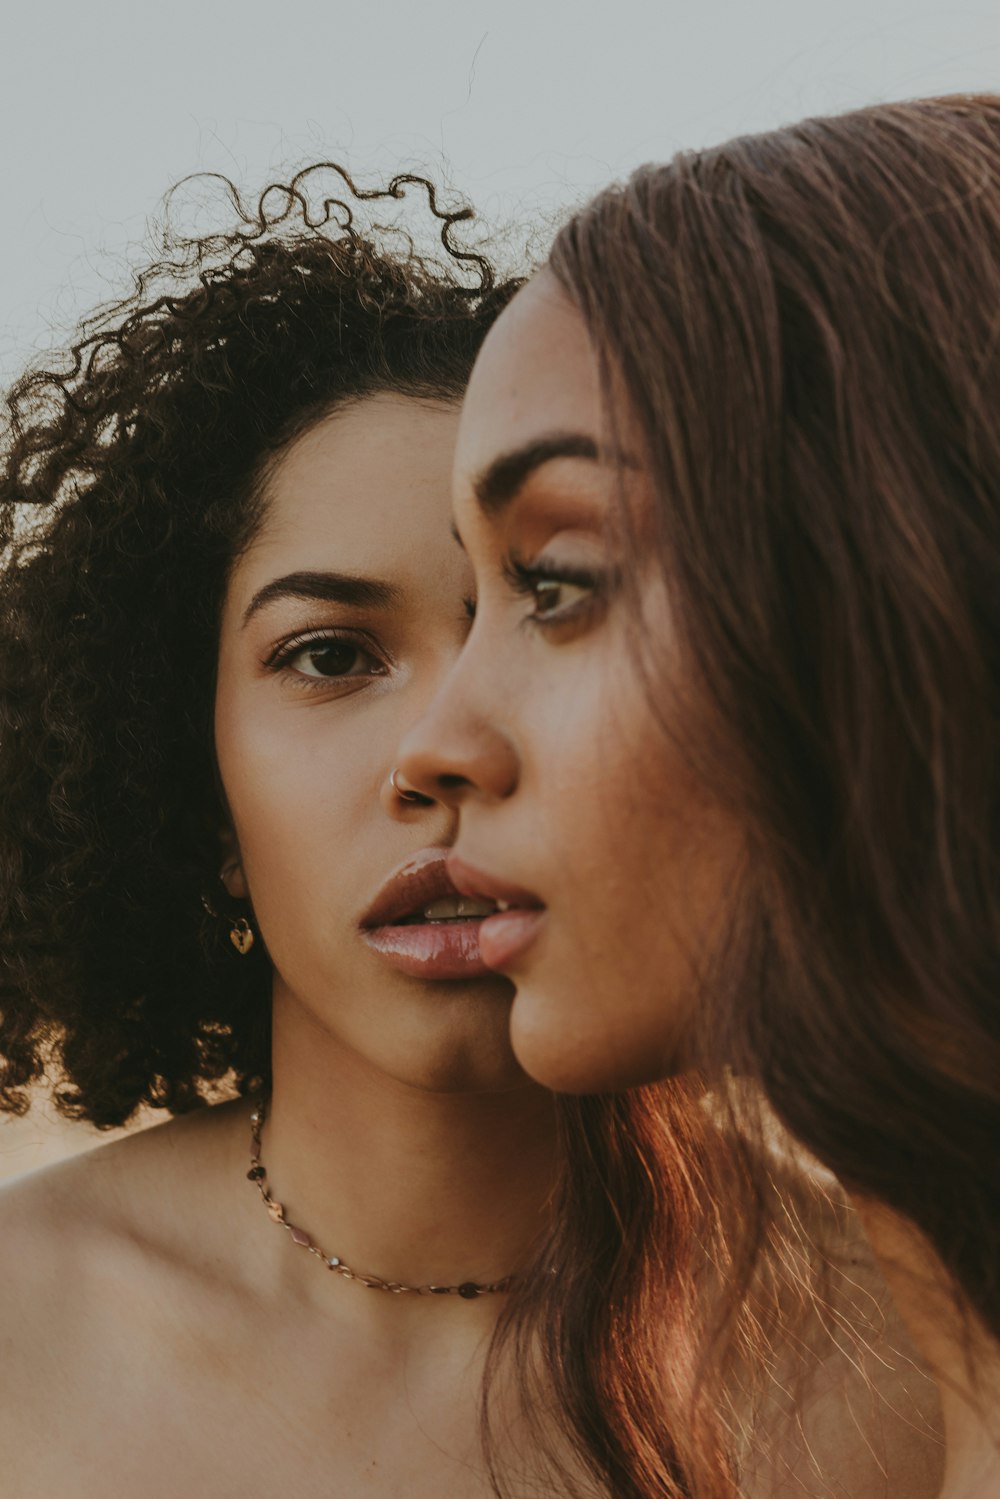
{"type": "Point", "coordinates": [444, 950]}
{"type": "Point", "coordinates": [504, 937]}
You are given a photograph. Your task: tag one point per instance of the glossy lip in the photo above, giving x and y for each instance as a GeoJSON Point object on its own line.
{"type": "Point", "coordinates": [421, 878]}
{"type": "Point", "coordinates": [423, 950]}
{"type": "Point", "coordinates": [505, 937]}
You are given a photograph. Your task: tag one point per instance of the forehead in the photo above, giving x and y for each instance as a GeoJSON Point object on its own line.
{"type": "Point", "coordinates": [537, 373]}
{"type": "Point", "coordinates": [373, 474]}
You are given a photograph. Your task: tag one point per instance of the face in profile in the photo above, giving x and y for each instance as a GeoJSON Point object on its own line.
{"type": "Point", "coordinates": [578, 809]}
{"type": "Point", "coordinates": [340, 622]}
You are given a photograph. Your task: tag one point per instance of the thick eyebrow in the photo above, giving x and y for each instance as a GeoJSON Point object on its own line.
{"type": "Point", "coordinates": [500, 483]}
{"type": "Point", "coordinates": [331, 588]}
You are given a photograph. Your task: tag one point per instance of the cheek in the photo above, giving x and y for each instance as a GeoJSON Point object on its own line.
{"type": "Point", "coordinates": [671, 853]}
{"type": "Point", "coordinates": [598, 759]}
{"type": "Point", "coordinates": [293, 815]}
{"type": "Point", "coordinates": [288, 788]}
{"type": "Point", "coordinates": [645, 862]}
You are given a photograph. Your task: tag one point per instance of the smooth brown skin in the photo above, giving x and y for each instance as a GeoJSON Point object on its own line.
{"type": "Point", "coordinates": [544, 738]}
{"type": "Point", "coordinates": [159, 1335]}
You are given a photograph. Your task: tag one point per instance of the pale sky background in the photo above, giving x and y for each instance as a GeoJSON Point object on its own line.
{"type": "Point", "coordinates": [523, 107]}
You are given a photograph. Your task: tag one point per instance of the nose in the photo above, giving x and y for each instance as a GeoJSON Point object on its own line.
{"type": "Point", "coordinates": [455, 751]}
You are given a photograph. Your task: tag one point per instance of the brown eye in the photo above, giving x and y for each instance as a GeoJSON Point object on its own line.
{"type": "Point", "coordinates": [331, 656]}
{"type": "Point", "coordinates": [553, 595]}
{"type": "Point", "coordinates": [559, 593]}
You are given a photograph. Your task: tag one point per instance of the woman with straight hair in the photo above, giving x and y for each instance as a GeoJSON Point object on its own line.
{"type": "Point", "coordinates": [724, 737]}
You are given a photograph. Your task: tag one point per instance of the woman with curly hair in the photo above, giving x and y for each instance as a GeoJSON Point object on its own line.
{"type": "Point", "coordinates": [382, 1259]}
{"type": "Point", "coordinates": [724, 738]}
{"type": "Point", "coordinates": [228, 584]}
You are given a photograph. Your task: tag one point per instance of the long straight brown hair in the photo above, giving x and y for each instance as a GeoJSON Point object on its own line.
{"type": "Point", "coordinates": [605, 1334]}
{"type": "Point", "coordinates": [806, 325]}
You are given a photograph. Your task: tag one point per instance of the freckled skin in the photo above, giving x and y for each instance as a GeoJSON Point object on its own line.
{"type": "Point", "coordinates": [546, 740]}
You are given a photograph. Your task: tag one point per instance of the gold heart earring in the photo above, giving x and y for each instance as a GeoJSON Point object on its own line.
{"type": "Point", "coordinates": [240, 931]}
{"type": "Point", "coordinates": [241, 936]}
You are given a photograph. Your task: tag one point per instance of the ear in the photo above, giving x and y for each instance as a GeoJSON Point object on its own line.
{"type": "Point", "coordinates": [231, 874]}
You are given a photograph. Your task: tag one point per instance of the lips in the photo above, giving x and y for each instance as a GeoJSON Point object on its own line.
{"type": "Point", "coordinates": [421, 924]}
{"type": "Point", "coordinates": [505, 937]}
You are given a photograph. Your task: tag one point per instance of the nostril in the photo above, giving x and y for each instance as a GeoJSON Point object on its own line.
{"type": "Point", "coordinates": [449, 782]}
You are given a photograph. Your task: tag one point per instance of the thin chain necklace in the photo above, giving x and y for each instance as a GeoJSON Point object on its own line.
{"type": "Point", "coordinates": [469, 1289]}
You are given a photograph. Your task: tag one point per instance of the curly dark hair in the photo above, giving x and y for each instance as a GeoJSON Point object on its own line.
{"type": "Point", "coordinates": [129, 482]}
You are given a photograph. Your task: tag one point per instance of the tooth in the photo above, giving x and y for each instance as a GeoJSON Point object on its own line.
{"type": "Point", "coordinates": [451, 906]}
{"type": "Point", "coordinates": [441, 910]}
{"type": "Point", "coordinates": [470, 907]}
{"type": "Point", "coordinates": [503, 905]}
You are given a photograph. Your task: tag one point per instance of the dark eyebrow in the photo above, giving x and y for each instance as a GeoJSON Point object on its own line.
{"type": "Point", "coordinates": [498, 485]}
{"type": "Point", "coordinates": [331, 588]}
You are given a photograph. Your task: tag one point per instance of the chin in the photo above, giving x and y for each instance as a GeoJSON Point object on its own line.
{"type": "Point", "coordinates": [459, 1047]}
{"type": "Point", "coordinates": [463, 1070]}
{"type": "Point", "coordinates": [569, 1051]}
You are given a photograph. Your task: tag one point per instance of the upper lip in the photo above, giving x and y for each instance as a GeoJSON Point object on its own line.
{"type": "Point", "coordinates": [471, 881]}
{"type": "Point", "coordinates": [422, 878]}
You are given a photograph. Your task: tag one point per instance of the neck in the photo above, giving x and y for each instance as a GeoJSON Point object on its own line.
{"type": "Point", "coordinates": [412, 1185]}
{"type": "Point", "coordinates": [962, 1358]}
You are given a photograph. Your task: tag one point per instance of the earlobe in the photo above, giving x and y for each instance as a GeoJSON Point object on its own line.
{"type": "Point", "coordinates": [231, 874]}
{"type": "Point", "coordinates": [234, 880]}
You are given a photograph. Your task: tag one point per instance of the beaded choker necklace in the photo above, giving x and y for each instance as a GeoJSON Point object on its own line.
{"type": "Point", "coordinates": [468, 1290]}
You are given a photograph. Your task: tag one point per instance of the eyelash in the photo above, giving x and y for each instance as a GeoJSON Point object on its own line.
{"type": "Point", "coordinates": [525, 577]}
{"type": "Point", "coordinates": [280, 658]}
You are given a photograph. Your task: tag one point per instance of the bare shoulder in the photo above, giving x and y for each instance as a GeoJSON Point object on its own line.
{"type": "Point", "coordinates": [111, 1193]}
{"type": "Point", "coordinates": [89, 1249]}
{"type": "Point", "coordinates": [847, 1410]}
